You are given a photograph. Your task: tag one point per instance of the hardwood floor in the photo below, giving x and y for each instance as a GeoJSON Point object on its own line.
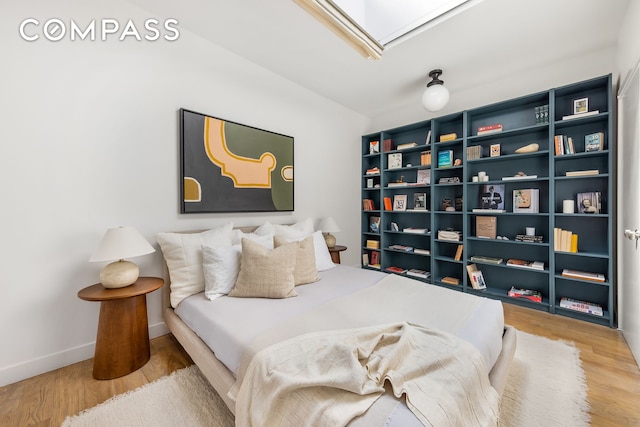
{"type": "Point", "coordinates": [612, 375]}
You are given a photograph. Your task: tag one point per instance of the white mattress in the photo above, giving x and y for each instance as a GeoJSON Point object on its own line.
{"type": "Point", "coordinates": [227, 325]}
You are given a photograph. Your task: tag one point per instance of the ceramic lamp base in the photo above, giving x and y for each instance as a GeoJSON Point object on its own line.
{"type": "Point", "coordinates": [119, 274]}
{"type": "Point", "coordinates": [329, 239]}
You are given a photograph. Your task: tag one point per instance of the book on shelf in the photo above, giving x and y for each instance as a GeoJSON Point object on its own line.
{"type": "Point", "coordinates": [517, 177]}
{"type": "Point", "coordinates": [486, 259]}
{"type": "Point", "coordinates": [415, 272]}
{"type": "Point", "coordinates": [594, 142]}
{"type": "Point", "coordinates": [450, 280]}
{"type": "Point", "coordinates": [584, 275]}
{"type": "Point", "coordinates": [406, 145]}
{"type": "Point", "coordinates": [387, 144]}
{"type": "Point", "coordinates": [475, 277]}
{"type": "Point", "coordinates": [529, 294]}
{"type": "Point", "coordinates": [481, 210]}
{"type": "Point", "coordinates": [425, 158]}
{"type": "Point", "coordinates": [365, 259]}
{"type": "Point", "coordinates": [564, 240]}
{"type": "Point", "coordinates": [388, 205]}
{"type": "Point", "coordinates": [421, 251]}
{"type": "Point", "coordinates": [526, 200]}
{"type": "Point", "coordinates": [585, 172]}
{"type": "Point", "coordinates": [397, 184]}
{"type": "Point", "coordinates": [373, 171]}
{"type": "Point", "coordinates": [458, 255]}
{"type": "Point", "coordinates": [374, 147]}
{"type": "Point", "coordinates": [448, 137]}
{"type": "Point", "coordinates": [394, 160]}
{"type": "Point", "coordinates": [581, 306]}
{"type": "Point", "coordinates": [486, 226]}
{"type": "Point", "coordinates": [368, 205]}
{"type": "Point", "coordinates": [589, 203]}
{"type": "Point", "coordinates": [534, 265]}
{"type": "Point", "coordinates": [489, 129]}
{"type": "Point", "coordinates": [400, 202]}
{"type": "Point", "coordinates": [420, 201]}
{"type": "Point", "coordinates": [374, 266]}
{"type": "Point", "coordinates": [529, 239]}
{"type": "Point", "coordinates": [372, 244]}
{"type": "Point", "coordinates": [474, 152]}
{"type": "Point", "coordinates": [580, 115]}
{"type": "Point", "coordinates": [542, 114]}
{"type": "Point", "coordinates": [423, 176]}
{"type": "Point", "coordinates": [394, 269]}
{"type": "Point", "coordinates": [375, 259]}
{"type": "Point", "coordinates": [415, 230]}
{"type": "Point", "coordinates": [374, 224]}
{"type": "Point", "coordinates": [402, 248]}
{"type": "Point", "coordinates": [427, 140]}
{"type": "Point", "coordinates": [492, 196]}
{"type": "Point", "coordinates": [445, 158]}
{"type": "Point", "coordinates": [451, 235]}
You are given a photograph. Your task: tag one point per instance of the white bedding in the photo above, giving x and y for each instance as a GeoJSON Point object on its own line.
{"type": "Point", "coordinates": [228, 325]}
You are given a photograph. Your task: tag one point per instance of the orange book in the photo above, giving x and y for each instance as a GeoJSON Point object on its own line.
{"type": "Point", "coordinates": [387, 204]}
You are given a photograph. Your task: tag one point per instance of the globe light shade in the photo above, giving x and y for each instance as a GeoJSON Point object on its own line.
{"type": "Point", "coordinates": [435, 97]}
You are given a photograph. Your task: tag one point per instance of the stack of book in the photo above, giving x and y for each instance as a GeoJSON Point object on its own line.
{"type": "Point", "coordinates": [394, 269]}
{"type": "Point", "coordinates": [368, 205]}
{"type": "Point", "coordinates": [563, 145]}
{"type": "Point", "coordinates": [421, 251]}
{"type": "Point", "coordinates": [373, 171]}
{"type": "Point", "coordinates": [406, 145]}
{"type": "Point", "coordinates": [580, 115]}
{"type": "Point", "coordinates": [402, 248]}
{"type": "Point", "coordinates": [415, 230]}
{"type": "Point", "coordinates": [583, 275]}
{"type": "Point", "coordinates": [414, 272]}
{"type": "Point", "coordinates": [448, 137]}
{"type": "Point", "coordinates": [581, 306]}
{"type": "Point", "coordinates": [373, 244]}
{"type": "Point", "coordinates": [542, 114]}
{"type": "Point", "coordinates": [530, 239]}
{"type": "Point", "coordinates": [450, 280]}
{"type": "Point", "coordinates": [486, 259]}
{"type": "Point", "coordinates": [474, 152]}
{"type": "Point", "coordinates": [564, 240]}
{"type": "Point", "coordinates": [454, 236]}
{"type": "Point", "coordinates": [489, 129]}
{"type": "Point", "coordinates": [425, 158]}
{"type": "Point", "coordinates": [529, 294]}
{"type": "Point", "coordinates": [534, 265]}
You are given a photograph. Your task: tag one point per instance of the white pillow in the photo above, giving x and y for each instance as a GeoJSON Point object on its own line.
{"type": "Point", "coordinates": [183, 255]}
{"type": "Point", "coordinates": [221, 265]}
{"type": "Point", "coordinates": [323, 257]}
{"type": "Point", "coordinates": [265, 229]}
{"type": "Point", "coordinates": [265, 240]}
{"type": "Point", "coordinates": [297, 231]}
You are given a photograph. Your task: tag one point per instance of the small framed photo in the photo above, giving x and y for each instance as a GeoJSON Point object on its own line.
{"type": "Point", "coordinates": [580, 105]}
{"type": "Point", "coordinates": [374, 147]}
{"type": "Point", "coordinates": [495, 150]}
{"type": "Point", "coordinates": [400, 202]}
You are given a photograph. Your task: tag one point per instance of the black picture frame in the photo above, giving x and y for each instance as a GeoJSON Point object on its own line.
{"type": "Point", "coordinates": [230, 167]}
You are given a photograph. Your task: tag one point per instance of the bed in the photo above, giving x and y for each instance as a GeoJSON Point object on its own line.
{"type": "Point", "coordinates": [224, 335]}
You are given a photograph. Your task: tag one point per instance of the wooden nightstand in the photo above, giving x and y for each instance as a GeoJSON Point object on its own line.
{"type": "Point", "coordinates": [335, 253]}
{"type": "Point", "coordinates": [122, 342]}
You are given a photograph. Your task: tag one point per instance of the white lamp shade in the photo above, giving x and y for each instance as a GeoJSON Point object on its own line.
{"type": "Point", "coordinates": [120, 243]}
{"type": "Point", "coordinates": [435, 97]}
{"type": "Point", "coordinates": [329, 225]}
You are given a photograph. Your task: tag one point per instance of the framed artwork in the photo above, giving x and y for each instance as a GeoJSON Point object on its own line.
{"type": "Point", "coordinates": [589, 203]}
{"type": "Point", "coordinates": [230, 167]}
{"type": "Point", "coordinates": [580, 105]}
{"type": "Point", "coordinates": [400, 202]}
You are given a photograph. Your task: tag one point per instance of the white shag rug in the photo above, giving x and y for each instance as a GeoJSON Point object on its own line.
{"type": "Point", "coordinates": [546, 387]}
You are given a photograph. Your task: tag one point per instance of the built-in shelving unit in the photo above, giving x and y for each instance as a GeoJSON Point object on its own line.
{"type": "Point", "coordinates": [455, 191]}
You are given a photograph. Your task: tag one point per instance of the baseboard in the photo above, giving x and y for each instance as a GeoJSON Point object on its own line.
{"type": "Point", "coordinates": [40, 365]}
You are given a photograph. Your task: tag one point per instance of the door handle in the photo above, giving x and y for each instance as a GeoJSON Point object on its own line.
{"type": "Point", "coordinates": [632, 235]}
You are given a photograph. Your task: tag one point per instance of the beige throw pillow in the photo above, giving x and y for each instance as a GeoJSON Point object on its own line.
{"type": "Point", "coordinates": [305, 271]}
{"type": "Point", "coordinates": [266, 273]}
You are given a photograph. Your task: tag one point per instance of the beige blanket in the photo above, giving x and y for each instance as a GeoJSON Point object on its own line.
{"type": "Point", "coordinates": [328, 378]}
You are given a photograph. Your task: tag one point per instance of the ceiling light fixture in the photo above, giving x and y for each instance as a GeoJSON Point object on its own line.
{"type": "Point", "coordinates": [436, 96]}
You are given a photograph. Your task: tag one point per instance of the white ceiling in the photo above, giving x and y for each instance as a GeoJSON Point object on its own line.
{"type": "Point", "coordinates": [496, 39]}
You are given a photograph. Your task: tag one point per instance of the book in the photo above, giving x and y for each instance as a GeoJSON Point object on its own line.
{"type": "Point", "coordinates": [387, 204]}
{"type": "Point", "coordinates": [373, 171]}
{"type": "Point", "coordinates": [448, 137]}
{"type": "Point", "coordinates": [421, 251]}
{"type": "Point", "coordinates": [517, 177]}
{"type": "Point", "coordinates": [402, 248]}
{"type": "Point", "coordinates": [368, 205]}
{"type": "Point", "coordinates": [425, 158]}
{"type": "Point", "coordinates": [458, 255]}
{"type": "Point", "coordinates": [486, 259]}
{"type": "Point", "coordinates": [558, 145]}
{"type": "Point", "coordinates": [397, 270]}
{"type": "Point", "coordinates": [445, 158]}
{"type": "Point", "coordinates": [414, 272]}
{"type": "Point", "coordinates": [374, 224]}
{"type": "Point", "coordinates": [453, 236]}
{"type": "Point", "coordinates": [365, 259]}
{"type": "Point", "coordinates": [475, 277]}
{"type": "Point", "coordinates": [574, 243]}
{"type": "Point", "coordinates": [400, 202]}
{"type": "Point", "coordinates": [580, 115]}
{"type": "Point", "coordinates": [530, 239]}
{"type": "Point", "coordinates": [486, 226]}
{"type": "Point", "coordinates": [589, 203]}
{"type": "Point", "coordinates": [450, 280]}
{"type": "Point", "coordinates": [594, 142]}
{"type": "Point", "coordinates": [372, 244]}
{"type": "Point", "coordinates": [420, 201]}
{"type": "Point", "coordinates": [492, 196]}
{"type": "Point", "coordinates": [526, 200]}
{"type": "Point", "coordinates": [375, 259]}
{"type": "Point", "coordinates": [374, 147]}
{"type": "Point", "coordinates": [387, 144]}
{"type": "Point", "coordinates": [585, 172]}
{"type": "Point", "coordinates": [581, 306]}
{"type": "Point", "coordinates": [489, 129]}
{"type": "Point", "coordinates": [534, 265]}
{"type": "Point", "coordinates": [394, 160]}
{"type": "Point", "coordinates": [423, 176]}
{"type": "Point", "coordinates": [584, 275]}
{"type": "Point", "coordinates": [474, 152]}
{"type": "Point", "coordinates": [406, 145]}
{"type": "Point", "coordinates": [397, 184]}
{"type": "Point", "coordinates": [427, 140]}
{"type": "Point", "coordinates": [481, 210]}
{"type": "Point", "coordinates": [529, 294]}
{"type": "Point", "coordinates": [415, 230]}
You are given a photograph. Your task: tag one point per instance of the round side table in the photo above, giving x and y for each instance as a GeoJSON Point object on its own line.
{"type": "Point", "coordinates": [122, 342]}
{"type": "Point", "coordinates": [335, 253]}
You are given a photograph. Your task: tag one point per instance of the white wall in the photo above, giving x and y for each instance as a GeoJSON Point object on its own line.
{"type": "Point", "coordinates": [89, 140]}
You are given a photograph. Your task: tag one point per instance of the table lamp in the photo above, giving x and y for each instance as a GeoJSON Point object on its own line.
{"type": "Point", "coordinates": [117, 244]}
{"type": "Point", "coordinates": [328, 225]}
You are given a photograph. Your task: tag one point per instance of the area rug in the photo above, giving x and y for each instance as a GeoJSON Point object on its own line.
{"type": "Point", "coordinates": [546, 387]}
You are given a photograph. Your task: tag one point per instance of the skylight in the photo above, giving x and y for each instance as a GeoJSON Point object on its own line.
{"type": "Point", "coordinates": [371, 25]}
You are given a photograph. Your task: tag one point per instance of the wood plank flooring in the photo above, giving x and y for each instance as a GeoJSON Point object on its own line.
{"type": "Point", "coordinates": [612, 375]}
